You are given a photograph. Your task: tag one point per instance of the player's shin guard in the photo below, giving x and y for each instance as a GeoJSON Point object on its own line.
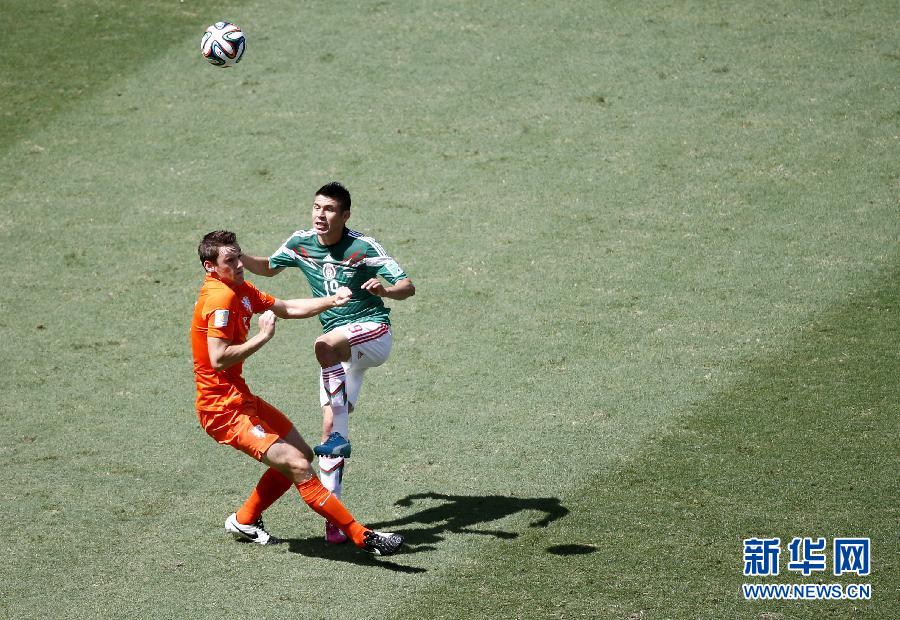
{"type": "Point", "coordinates": [326, 504]}
{"type": "Point", "coordinates": [331, 472]}
{"type": "Point", "coordinates": [334, 379]}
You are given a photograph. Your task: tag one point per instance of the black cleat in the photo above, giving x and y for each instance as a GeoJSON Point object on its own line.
{"type": "Point", "coordinates": [382, 543]}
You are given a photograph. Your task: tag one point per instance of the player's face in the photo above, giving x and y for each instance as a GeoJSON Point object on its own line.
{"type": "Point", "coordinates": [228, 266]}
{"type": "Point", "coordinates": [328, 218]}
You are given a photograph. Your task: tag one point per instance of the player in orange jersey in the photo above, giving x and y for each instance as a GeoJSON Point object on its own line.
{"type": "Point", "coordinates": [231, 414]}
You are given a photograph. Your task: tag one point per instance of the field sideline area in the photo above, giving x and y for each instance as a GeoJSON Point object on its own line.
{"type": "Point", "coordinates": [657, 254]}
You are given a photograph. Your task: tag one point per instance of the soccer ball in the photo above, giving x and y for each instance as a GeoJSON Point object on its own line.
{"type": "Point", "coordinates": [223, 44]}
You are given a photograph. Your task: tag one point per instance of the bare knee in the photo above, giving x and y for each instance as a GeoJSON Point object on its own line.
{"type": "Point", "coordinates": [290, 460]}
{"type": "Point", "coordinates": [294, 439]}
{"type": "Point", "coordinates": [325, 352]}
{"type": "Point", "coordinates": [299, 468]}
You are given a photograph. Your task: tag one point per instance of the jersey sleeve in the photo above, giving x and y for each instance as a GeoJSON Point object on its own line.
{"type": "Point", "coordinates": [388, 268]}
{"type": "Point", "coordinates": [220, 315]}
{"type": "Point", "coordinates": [379, 260]}
{"type": "Point", "coordinates": [283, 256]}
{"type": "Point", "coordinates": [259, 301]}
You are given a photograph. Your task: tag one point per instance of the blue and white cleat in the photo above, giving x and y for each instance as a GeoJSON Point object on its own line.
{"type": "Point", "coordinates": [336, 446]}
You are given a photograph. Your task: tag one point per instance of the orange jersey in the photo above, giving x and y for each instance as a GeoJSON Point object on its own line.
{"type": "Point", "coordinates": [223, 312]}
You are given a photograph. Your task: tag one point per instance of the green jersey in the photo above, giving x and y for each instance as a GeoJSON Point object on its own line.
{"type": "Point", "coordinates": [350, 262]}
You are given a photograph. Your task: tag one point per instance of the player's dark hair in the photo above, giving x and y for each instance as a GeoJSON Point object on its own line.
{"type": "Point", "coordinates": [336, 191]}
{"type": "Point", "coordinates": [211, 242]}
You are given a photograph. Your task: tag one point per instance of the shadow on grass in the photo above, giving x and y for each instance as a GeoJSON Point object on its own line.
{"type": "Point", "coordinates": [571, 549]}
{"type": "Point", "coordinates": [315, 547]}
{"type": "Point", "coordinates": [456, 514]}
{"type": "Point", "coordinates": [460, 514]}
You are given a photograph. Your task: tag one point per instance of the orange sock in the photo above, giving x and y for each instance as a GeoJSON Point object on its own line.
{"type": "Point", "coordinates": [270, 487]}
{"type": "Point", "coordinates": [326, 504]}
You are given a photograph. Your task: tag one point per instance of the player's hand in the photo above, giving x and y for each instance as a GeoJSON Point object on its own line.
{"type": "Point", "coordinates": [267, 324]}
{"type": "Point", "coordinates": [374, 286]}
{"type": "Point", "coordinates": [342, 296]}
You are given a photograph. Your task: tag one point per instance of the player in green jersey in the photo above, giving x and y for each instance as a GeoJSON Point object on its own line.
{"type": "Point", "coordinates": [357, 336]}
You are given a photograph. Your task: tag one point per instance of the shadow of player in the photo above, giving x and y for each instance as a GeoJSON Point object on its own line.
{"type": "Point", "coordinates": [315, 547]}
{"type": "Point", "coordinates": [462, 514]}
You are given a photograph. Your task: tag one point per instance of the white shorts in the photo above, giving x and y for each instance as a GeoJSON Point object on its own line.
{"type": "Point", "coordinates": [370, 346]}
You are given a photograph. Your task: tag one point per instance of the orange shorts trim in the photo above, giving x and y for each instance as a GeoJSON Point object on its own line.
{"type": "Point", "coordinates": [252, 429]}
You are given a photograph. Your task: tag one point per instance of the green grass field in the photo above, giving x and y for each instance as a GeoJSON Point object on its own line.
{"type": "Point", "coordinates": [657, 260]}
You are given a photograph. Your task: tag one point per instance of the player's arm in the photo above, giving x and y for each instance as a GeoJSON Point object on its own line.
{"type": "Point", "coordinates": [401, 289]}
{"type": "Point", "coordinates": [260, 265]}
{"type": "Point", "coordinates": [305, 308]}
{"type": "Point", "coordinates": [223, 354]}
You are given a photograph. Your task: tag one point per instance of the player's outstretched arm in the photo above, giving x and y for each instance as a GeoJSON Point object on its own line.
{"type": "Point", "coordinates": [400, 290]}
{"type": "Point", "coordinates": [223, 354]}
{"type": "Point", "coordinates": [260, 265]}
{"type": "Point", "coordinates": [305, 308]}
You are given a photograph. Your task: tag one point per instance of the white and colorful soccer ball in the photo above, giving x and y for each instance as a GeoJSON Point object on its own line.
{"type": "Point", "coordinates": [223, 44]}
